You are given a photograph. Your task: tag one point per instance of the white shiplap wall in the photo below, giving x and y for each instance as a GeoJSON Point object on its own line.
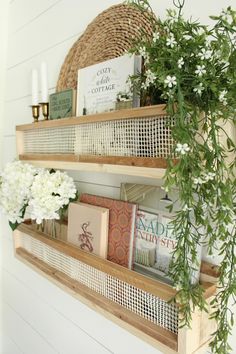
{"type": "Point", "coordinates": [38, 317]}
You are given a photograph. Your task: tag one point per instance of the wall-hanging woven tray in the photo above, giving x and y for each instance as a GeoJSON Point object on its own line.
{"type": "Point", "coordinates": [108, 36]}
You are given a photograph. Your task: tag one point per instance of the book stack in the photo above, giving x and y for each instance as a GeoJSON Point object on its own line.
{"type": "Point", "coordinates": [142, 240]}
{"type": "Point", "coordinates": [121, 229]}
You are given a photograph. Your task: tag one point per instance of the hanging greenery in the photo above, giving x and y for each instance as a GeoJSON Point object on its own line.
{"type": "Point", "coordinates": [193, 69]}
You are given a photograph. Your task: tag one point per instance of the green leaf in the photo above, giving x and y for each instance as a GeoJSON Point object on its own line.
{"type": "Point", "coordinates": [13, 226]}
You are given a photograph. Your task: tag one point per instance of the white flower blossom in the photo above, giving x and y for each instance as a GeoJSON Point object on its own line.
{"type": "Point", "coordinates": [156, 36]}
{"type": "Point", "coordinates": [204, 178]}
{"type": "Point", "coordinates": [171, 16]}
{"type": "Point", "coordinates": [180, 62]}
{"type": "Point", "coordinates": [187, 37]}
{"type": "Point", "coordinates": [49, 193]}
{"type": "Point", "coordinates": [199, 88]}
{"type": "Point", "coordinates": [150, 78]}
{"type": "Point", "coordinates": [205, 54]}
{"type": "Point", "coordinates": [186, 208]}
{"type": "Point", "coordinates": [170, 81]}
{"type": "Point", "coordinates": [142, 51]}
{"type": "Point", "coordinates": [226, 16]}
{"type": "Point", "coordinates": [222, 97]}
{"type": "Point", "coordinates": [171, 42]}
{"type": "Point", "coordinates": [147, 58]}
{"type": "Point", "coordinates": [182, 148]}
{"type": "Point", "coordinates": [16, 181]}
{"type": "Point", "coordinates": [198, 180]}
{"type": "Point", "coordinates": [200, 70]}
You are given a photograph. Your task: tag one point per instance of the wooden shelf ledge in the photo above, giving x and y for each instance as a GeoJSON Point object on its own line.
{"type": "Point", "coordinates": [185, 342]}
{"type": "Point", "coordinates": [140, 112]}
{"type": "Point", "coordinates": [64, 164]}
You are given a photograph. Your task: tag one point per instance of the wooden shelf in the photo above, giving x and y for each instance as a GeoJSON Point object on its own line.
{"type": "Point", "coordinates": [150, 167]}
{"type": "Point", "coordinates": [34, 248]}
{"type": "Point", "coordinates": [137, 303]}
{"type": "Point", "coordinates": [67, 163]}
{"type": "Point", "coordinates": [141, 112]}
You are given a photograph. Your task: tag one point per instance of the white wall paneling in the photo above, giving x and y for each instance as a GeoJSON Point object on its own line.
{"type": "Point", "coordinates": [40, 318]}
{"type": "Point", "coordinates": [22, 12]}
{"type": "Point", "coordinates": [19, 76]}
{"type": "Point", "coordinates": [28, 340]}
{"type": "Point", "coordinates": [9, 149]}
{"type": "Point", "coordinates": [9, 346]}
{"type": "Point", "coordinates": [54, 26]}
{"type": "Point", "coordinates": [51, 325]}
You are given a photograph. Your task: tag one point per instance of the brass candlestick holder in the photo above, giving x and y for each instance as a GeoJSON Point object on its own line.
{"type": "Point", "coordinates": [35, 112]}
{"type": "Point", "coordinates": [45, 109]}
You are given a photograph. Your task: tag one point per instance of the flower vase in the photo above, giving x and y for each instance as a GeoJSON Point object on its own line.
{"type": "Point", "coordinates": [124, 104]}
{"type": "Point", "coordinates": [54, 228]}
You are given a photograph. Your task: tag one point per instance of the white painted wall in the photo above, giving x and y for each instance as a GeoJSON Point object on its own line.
{"type": "Point", "coordinates": [38, 317]}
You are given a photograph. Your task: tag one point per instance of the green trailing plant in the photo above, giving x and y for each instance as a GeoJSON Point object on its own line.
{"type": "Point", "coordinates": [194, 68]}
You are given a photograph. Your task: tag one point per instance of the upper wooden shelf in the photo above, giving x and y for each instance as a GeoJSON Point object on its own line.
{"type": "Point", "coordinates": [140, 112]}
{"type": "Point", "coordinates": [133, 142]}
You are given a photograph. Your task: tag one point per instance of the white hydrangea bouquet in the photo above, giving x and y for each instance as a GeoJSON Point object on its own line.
{"type": "Point", "coordinates": [44, 194]}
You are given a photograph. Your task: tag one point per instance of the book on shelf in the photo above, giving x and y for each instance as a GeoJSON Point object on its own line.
{"type": "Point", "coordinates": [155, 244]}
{"type": "Point", "coordinates": [121, 233]}
{"type": "Point", "coordinates": [88, 227]}
{"type": "Point", "coordinates": [99, 84]}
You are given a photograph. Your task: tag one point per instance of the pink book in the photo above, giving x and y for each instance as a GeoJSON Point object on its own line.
{"type": "Point", "coordinates": [88, 228]}
{"type": "Point", "coordinates": [121, 233]}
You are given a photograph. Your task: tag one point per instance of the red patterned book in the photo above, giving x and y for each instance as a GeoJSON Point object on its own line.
{"type": "Point", "coordinates": [121, 234]}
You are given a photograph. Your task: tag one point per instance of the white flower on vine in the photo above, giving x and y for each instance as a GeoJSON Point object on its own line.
{"type": "Point", "coordinates": [150, 78]}
{"type": "Point", "coordinates": [186, 208]}
{"type": "Point", "coordinates": [222, 97]}
{"type": "Point", "coordinates": [210, 176]}
{"type": "Point", "coordinates": [187, 37]}
{"type": "Point", "coordinates": [156, 36]}
{"type": "Point", "coordinates": [171, 42]}
{"type": "Point", "coordinates": [142, 51]}
{"type": "Point", "coordinates": [182, 148]}
{"type": "Point", "coordinates": [180, 62]}
{"type": "Point", "coordinates": [198, 181]}
{"type": "Point", "coordinates": [200, 70]}
{"type": "Point", "coordinates": [226, 16]}
{"type": "Point", "coordinates": [172, 16]}
{"type": "Point", "coordinates": [199, 88]}
{"type": "Point", "coordinates": [205, 54]}
{"type": "Point", "coordinates": [204, 178]}
{"type": "Point", "coordinates": [170, 81]}
{"type": "Point", "coordinates": [144, 86]}
{"type": "Point", "coordinates": [147, 58]}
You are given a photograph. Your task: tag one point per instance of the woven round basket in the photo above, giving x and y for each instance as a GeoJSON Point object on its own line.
{"type": "Point", "coordinates": [108, 36]}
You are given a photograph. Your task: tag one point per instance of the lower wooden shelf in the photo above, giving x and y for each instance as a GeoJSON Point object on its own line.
{"type": "Point", "coordinates": [135, 302]}
{"type": "Point", "coordinates": [131, 166]}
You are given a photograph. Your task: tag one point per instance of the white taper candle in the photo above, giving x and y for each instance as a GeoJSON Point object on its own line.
{"type": "Point", "coordinates": [35, 99]}
{"type": "Point", "coordinates": [44, 82]}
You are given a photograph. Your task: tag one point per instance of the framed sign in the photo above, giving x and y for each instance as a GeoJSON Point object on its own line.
{"type": "Point", "coordinates": [99, 84]}
{"type": "Point", "coordinates": [62, 104]}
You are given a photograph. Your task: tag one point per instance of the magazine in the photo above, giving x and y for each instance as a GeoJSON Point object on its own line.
{"type": "Point", "coordinates": [155, 243]}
